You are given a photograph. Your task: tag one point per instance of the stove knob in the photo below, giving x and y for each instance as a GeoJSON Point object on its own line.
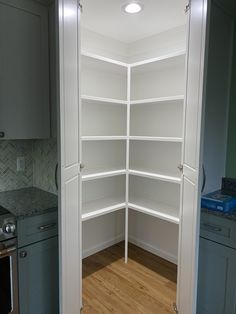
{"type": "Point", "coordinates": [9, 228]}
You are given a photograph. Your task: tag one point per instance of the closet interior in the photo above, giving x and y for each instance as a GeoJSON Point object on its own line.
{"type": "Point", "coordinates": [132, 120]}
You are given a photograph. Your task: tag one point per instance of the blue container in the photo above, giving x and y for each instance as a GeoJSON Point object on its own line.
{"type": "Point", "coordinates": [219, 202]}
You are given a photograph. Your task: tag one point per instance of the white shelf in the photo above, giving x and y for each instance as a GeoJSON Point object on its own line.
{"type": "Point", "coordinates": [104, 59]}
{"type": "Point", "coordinates": [103, 100]}
{"type": "Point", "coordinates": [102, 174]}
{"type": "Point", "coordinates": [157, 139]}
{"type": "Point", "coordinates": [155, 176]}
{"type": "Point", "coordinates": [157, 100]}
{"type": "Point", "coordinates": [135, 64]}
{"type": "Point", "coordinates": [101, 207]}
{"type": "Point", "coordinates": [159, 59]}
{"type": "Point", "coordinates": [103, 138]}
{"type": "Point", "coordinates": [161, 211]}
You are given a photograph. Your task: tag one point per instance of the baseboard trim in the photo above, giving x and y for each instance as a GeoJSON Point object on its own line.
{"type": "Point", "coordinates": [150, 248]}
{"type": "Point", "coordinates": [102, 246]}
{"type": "Point", "coordinates": [154, 250]}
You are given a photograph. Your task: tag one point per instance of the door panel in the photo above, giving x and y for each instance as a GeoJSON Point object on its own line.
{"type": "Point", "coordinates": [189, 225]}
{"type": "Point", "coordinates": [38, 268]}
{"type": "Point", "coordinates": [70, 225]}
{"type": "Point", "coordinates": [216, 286]}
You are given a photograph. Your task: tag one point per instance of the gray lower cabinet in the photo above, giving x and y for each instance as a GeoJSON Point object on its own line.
{"type": "Point", "coordinates": [24, 70]}
{"type": "Point", "coordinates": [38, 277]}
{"type": "Point", "coordinates": [217, 270]}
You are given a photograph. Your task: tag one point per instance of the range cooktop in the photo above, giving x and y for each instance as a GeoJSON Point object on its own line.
{"type": "Point", "coordinates": [3, 211]}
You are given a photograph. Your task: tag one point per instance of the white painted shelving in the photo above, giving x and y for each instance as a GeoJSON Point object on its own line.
{"type": "Point", "coordinates": [156, 139]}
{"type": "Point", "coordinates": [155, 176]}
{"type": "Point", "coordinates": [158, 210]}
{"type": "Point", "coordinates": [101, 207]}
{"type": "Point", "coordinates": [103, 174]}
{"type": "Point", "coordinates": [103, 138]}
{"type": "Point", "coordinates": [132, 135]}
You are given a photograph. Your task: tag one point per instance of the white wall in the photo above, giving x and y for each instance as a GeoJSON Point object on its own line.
{"type": "Point", "coordinates": [158, 45]}
{"type": "Point", "coordinates": [102, 232]}
{"type": "Point", "coordinates": [154, 235]}
{"type": "Point", "coordinates": [164, 43]}
{"type": "Point", "coordinates": [96, 43]}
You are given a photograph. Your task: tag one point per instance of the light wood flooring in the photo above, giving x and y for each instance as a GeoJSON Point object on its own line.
{"type": "Point", "coordinates": [146, 285]}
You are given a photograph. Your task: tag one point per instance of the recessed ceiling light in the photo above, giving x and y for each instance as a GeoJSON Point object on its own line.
{"type": "Point", "coordinates": [133, 7]}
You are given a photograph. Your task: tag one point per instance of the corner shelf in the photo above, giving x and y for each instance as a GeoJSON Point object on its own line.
{"type": "Point", "coordinates": [103, 174]}
{"type": "Point", "coordinates": [161, 211]}
{"type": "Point", "coordinates": [101, 207]}
{"type": "Point", "coordinates": [103, 138]}
{"type": "Point", "coordinates": [103, 100]}
{"type": "Point", "coordinates": [104, 59]}
{"type": "Point", "coordinates": [157, 100]}
{"type": "Point", "coordinates": [167, 57]}
{"type": "Point", "coordinates": [155, 176]}
{"type": "Point", "coordinates": [157, 139]}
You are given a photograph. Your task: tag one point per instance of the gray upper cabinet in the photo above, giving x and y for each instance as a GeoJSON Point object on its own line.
{"type": "Point", "coordinates": [24, 70]}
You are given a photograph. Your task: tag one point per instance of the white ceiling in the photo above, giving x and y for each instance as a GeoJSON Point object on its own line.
{"type": "Point", "coordinates": [106, 17]}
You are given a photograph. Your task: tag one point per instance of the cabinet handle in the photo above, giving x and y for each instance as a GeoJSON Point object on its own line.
{"type": "Point", "coordinates": [23, 254]}
{"type": "Point", "coordinates": [212, 228]}
{"type": "Point", "coordinates": [49, 226]}
{"type": "Point", "coordinates": [2, 134]}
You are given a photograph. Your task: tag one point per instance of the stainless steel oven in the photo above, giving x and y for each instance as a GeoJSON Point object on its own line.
{"type": "Point", "coordinates": [8, 265]}
{"type": "Point", "coordinates": [8, 277]}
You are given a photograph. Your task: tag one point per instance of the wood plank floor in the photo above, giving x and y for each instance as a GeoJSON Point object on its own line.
{"type": "Point", "coordinates": [146, 285]}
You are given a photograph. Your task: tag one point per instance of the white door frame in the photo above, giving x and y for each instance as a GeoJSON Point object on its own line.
{"type": "Point", "coordinates": [70, 274]}
{"type": "Point", "coordinates": [69, 193]}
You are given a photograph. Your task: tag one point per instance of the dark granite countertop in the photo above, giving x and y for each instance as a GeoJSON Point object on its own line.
{"type": "Point", "coordinates": [231, 216]}
{"type": "Point", "coordinates": [28, 202]}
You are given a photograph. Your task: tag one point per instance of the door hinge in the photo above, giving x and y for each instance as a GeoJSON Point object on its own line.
{"type": "Point", "coordinates": [175, 308]}
{"type": "Point", "coordinates": [80, 6]}
{"type": "Point", "coordinates": [81, 166]}
{"type": "Point", "coordinates": [180, 167]}
{"type": "Point", "coordinates": [187, 8]}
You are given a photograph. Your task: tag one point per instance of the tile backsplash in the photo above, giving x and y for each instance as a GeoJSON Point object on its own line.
{"type": "Point", "coordinates": [40, 161]}
{"type": "Point", "coordinates": [44, 164]}
{"type": "Point", "coordinates": [10, 179]}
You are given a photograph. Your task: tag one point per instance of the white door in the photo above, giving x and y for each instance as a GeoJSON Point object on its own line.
{"type": "Point", "coordinates": [70, 225]}
{"type": "Point", "coordinates": [189, 228]}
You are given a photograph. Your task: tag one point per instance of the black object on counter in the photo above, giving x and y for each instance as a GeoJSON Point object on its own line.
{"type": "Point", "coordinates": [228, 186]}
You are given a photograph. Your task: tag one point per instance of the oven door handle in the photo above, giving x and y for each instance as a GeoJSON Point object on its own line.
{"type": "Point", "coordinates": [7, 251]}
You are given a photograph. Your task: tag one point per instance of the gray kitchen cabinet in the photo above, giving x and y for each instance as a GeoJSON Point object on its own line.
{"type": "Point", "coordinates": [216, 280]}
{"type": "Point", "coordinates": [24, 70]}
{"type": "Point", "coordinates": [38, 277]}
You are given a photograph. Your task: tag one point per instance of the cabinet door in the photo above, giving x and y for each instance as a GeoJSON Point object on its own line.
{"type": "Point", "coordinates": [70, 158]}
{"type": "Point", "coordinates": [216, 284]}
{"type": "Point", "coordinates": [38, 278]}
{"type": "Point", "coordinates": [24, 70]}
{"type": "Point", "coordinates": [190, 213]}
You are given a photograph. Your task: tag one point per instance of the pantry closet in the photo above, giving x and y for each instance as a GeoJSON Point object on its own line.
{"type": "Point", "coordinates": [132, 117]}
{"type": "Point", "coordinates": [131, 150]}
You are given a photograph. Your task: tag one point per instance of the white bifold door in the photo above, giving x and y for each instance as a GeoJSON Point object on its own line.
{"type": "Point", "coordinates": [69, 192]}
{"type": "Point", "coordinates": [192, 159]}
